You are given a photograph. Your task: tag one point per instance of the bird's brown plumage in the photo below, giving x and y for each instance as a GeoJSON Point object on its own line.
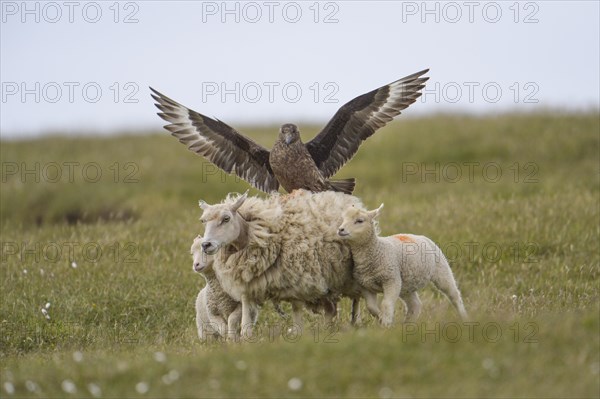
{"type": "Point", "coordinates": [294, 167]}
{"type": "Point", "coordinates": [293, 164]}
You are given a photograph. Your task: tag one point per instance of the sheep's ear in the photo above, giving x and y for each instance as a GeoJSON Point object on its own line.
{"type": "Point", "coordinates": [375, 212]}
{"type": "Point", "coordinates": [239, 201]}
{"type": "Point", "coordinates": [203, 205]}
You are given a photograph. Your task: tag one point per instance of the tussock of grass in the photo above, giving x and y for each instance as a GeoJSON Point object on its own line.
{"type": "Point", "coordinates": [111, 258]}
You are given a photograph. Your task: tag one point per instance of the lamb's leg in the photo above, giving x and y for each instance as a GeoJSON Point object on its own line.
{"type": "Point", "coordinates": [233, 324]}
{"type": "Point", "coordinates": [246, 317]}
{"type": "Point", "coordinates": [371, 301]}
{"type": "Point", "coordinates": [199, 320]}
{"type": "Point", "coordinates": [297, 310]}
{"type": "Point", "coordinates": [413, 306]}
{"type": "Point", "coordinates": [444, 281]}
{"type": "Point", "coordinates": [209, 325]}
{"type": "Point", "coordinates": [391, 292]}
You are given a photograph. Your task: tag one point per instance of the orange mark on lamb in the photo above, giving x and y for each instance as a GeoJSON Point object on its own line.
{"type": "Point", "coordinates": [403, 238]}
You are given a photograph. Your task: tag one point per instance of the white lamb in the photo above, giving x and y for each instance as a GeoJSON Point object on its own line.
{"type": "Point", "coordinates": [217, 314]}
{"type": "Point", "coordinates": [397, 265]}
{"type": "Point", "coordinates": [283, 247]}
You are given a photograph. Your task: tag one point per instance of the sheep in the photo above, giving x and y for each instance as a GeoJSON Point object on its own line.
{"type": "Point", "coordinates": [397, 265]}
{"type": "Point", "coordinates": [217, 314]}
{"type": "Point", "coordinates": [283, 247]}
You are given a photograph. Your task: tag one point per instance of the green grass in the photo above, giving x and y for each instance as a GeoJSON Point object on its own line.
{"type": "Point", "coordinates": [524, 247]}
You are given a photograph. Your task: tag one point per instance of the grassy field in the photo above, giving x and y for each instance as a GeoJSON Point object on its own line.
{"type": "Point", "coordinates": [96, 232]}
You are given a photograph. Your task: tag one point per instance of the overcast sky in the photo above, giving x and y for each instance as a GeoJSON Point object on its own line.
{"type": "Point", "coordinates": [79, 67]}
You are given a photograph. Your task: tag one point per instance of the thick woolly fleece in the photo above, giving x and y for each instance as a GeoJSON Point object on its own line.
{"type": "Point", "coordinates": [293, 251]}
{"type": "Point", "coordinates": [398, 265]}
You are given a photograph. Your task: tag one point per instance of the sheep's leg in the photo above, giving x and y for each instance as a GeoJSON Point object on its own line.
{"type": "Point", "coordinates": [413, 306]}
{"type": "Point", "coordinates": [254, 314]}
{"type": "Point", "coordinates": [297, 310]}
{"type": "Point", "coordinates": [391, 292]}
{"type": "Point", "coordinates": [279, 310]}
{"type": "Point", "coordinates": [233, 324]}
{"type": "Point", "coordinates": [202, 330]}
{"type": "Point", "coordinates": [199, 320]}
{"type": "Point", "coordinates": [218, 324]}
{"type": "Point", "coordinates": [329, 309]}
{"type": "Point", "coordinates": [355, 311]}
{"type": "Point", "coordinates": [372, 305]}
{"type": "Point", "coordinates": [246, 317]}
{"type": "Point", "coordinates": [444, 281]}
{"type": "Point", "coordinates": [213, 328]}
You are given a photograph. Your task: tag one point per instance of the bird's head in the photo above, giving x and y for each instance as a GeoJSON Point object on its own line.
{"type": "Point", "coordinates": [289, 133]}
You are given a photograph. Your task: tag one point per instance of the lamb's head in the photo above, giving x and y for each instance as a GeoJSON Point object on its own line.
{"type": "Point", "coordinates": [202, 263]}
{"type": "Point", "coordinates": [358, 224]}
{"type": "Point", "coordinates": [224, 225]}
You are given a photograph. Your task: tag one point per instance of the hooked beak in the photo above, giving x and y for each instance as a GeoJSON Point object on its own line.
{"type": "Point", "coordinates": [288, 138]}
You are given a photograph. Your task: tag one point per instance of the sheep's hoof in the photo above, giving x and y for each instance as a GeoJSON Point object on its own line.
{"type": "Point", "coordinates": [232, 338]}
{"type": "Point", "coordinates": [246, 334]}
{"type": "Point", "coordinates": [386, 322]}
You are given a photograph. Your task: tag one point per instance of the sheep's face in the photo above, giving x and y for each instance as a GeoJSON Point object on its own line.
{"type": "Point", "coordinates": [201, 262]}
{"type": "Point", "coordinates": [358, 223]}
{"type": "Point", "coordinates": [223, 225]}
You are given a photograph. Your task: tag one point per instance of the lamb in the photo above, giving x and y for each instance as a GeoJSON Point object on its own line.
{"type": "Point", "coordinates": [283, 247]}
{"type": "Point", "coordinates": [397, 265]}
{"type": "Point", "coordinates": [217, 314]}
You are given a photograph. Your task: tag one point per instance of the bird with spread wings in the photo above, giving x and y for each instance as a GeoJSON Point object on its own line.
{"type": "Point", "coordinates": [292, 163]}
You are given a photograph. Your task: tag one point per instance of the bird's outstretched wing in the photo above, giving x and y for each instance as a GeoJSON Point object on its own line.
{"type": "Point", "coordinates": [358, 119]}
{"type": "Point", "coordinates": [218, 142]}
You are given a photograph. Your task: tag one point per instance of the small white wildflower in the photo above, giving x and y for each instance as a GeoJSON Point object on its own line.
{"type": "Point", "coordinates": [160, 357]}
{"type": "Point", "coordinates": [42, 272]}
{"type": "Point", "coordinates": [45, 313]}
{"type": "Point", "coordinates": [241, 365]}
{"type": "Point", "coordinates": [94, 390]}
{"type": "Point", "coordinates": [487, 363]}
{"type": "Point", "coordinates": [74, 265]}
{"type": "Point", "coordinates": [78, 356]}
{"type": "Point", "coordinates": [385, 393]}
{"type": "Point", "coordinates": [490, 366]}
{"type": "Point", "coordinates": [47, 306]}
{"type": "Point", "coordinates": [122, 366]}
{"type": "Point", "coordinates": [295, 384]}
{"type": "Point", "coordinates": [141, 387]}
{"type": "Point", "coordinates": [170, 377]}
{"type": "Point", "coordinates": [24, 271]}
{"type": "Point", "coordinates": [514, 297]}
{"type": "Point", "coordinates": [9, 387]}
{"type": "Point", "coordinates": [68, 386]}
{"type": "Point", "coordinates": [31, 386]}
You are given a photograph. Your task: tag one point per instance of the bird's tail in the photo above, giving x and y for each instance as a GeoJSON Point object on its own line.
{"type": "Point", "coordinates": [345, 186]}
